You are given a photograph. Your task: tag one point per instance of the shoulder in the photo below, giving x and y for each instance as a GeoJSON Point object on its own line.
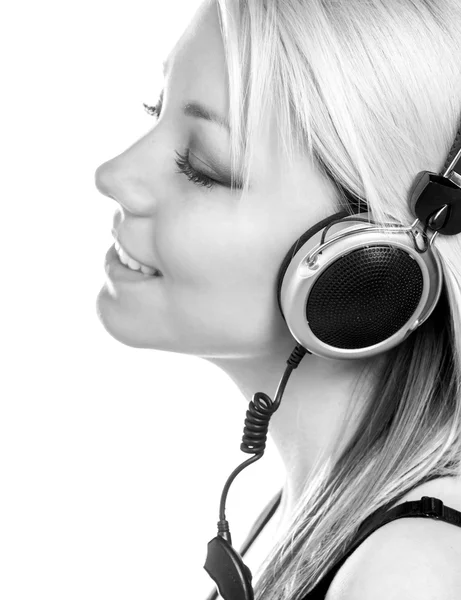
{"type": "Point", "coordinates": [407, 559]}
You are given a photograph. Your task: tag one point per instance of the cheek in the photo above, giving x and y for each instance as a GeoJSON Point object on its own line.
{"type": "Point", "coordinates": [200, 248]}
{"type": "Point", "coordinates": [219, 251]}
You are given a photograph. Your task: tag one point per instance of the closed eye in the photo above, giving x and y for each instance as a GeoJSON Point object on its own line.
{"type": "Point", "coordinates": [183, 159]}
{"type": "Point", "coordinates": [192, 174]}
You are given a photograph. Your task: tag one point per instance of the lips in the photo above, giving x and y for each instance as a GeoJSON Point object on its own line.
{"type": "Point", "coordinates": [130, 254]}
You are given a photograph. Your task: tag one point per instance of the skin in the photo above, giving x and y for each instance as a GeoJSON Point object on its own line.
{"type": "Point", "coordinates": [220, 258]}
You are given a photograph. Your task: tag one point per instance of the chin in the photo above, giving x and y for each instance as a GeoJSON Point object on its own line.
{"type": "Point", "coordinates": [118, 325]}
{"type": "Point", "coordinates": [126, 326]}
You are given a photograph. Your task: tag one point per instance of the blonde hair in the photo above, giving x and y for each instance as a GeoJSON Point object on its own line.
{"type": "Point", "coordinates": [370, 92]}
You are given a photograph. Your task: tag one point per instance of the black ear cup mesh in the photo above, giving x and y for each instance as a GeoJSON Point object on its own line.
{"type": "Point", "coordinates": [364, 297]}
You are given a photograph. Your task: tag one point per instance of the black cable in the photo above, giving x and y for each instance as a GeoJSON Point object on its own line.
{"type": "Point", "coordinates": [256, 427]}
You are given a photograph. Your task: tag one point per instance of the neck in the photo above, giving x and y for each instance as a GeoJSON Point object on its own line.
{"type": "Point", "coordinates": [319, 410]}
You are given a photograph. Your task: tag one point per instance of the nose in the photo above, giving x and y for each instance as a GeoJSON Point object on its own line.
{"type": "Point", "coordinates": [114, 181]}
{"type": "Point", "coordinates": [111, 181]}
{"type": "Point", "coordinates": [129, 178]}
{"type": "Point", "coordinates": [104, 179]}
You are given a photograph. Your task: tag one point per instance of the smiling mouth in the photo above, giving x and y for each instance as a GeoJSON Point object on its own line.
{"type": "Point", "coordinates": [133, 264]}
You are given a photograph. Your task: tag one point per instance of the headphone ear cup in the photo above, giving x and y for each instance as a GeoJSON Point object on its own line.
{"type": "Point", "coordinates": [298, 244]}
{"type": "Point", "coordinates": [358, 292]}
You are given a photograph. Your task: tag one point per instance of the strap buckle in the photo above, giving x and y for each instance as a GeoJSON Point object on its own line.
{"type": "Point", "coordinates": [432, 507]}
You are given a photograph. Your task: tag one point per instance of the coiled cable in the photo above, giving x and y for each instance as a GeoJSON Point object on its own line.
{"type": "Point", "coordinates": [255, 430]}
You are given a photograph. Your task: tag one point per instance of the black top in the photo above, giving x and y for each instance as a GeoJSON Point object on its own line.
{"type": "Point", "coordinates": [427, 507]}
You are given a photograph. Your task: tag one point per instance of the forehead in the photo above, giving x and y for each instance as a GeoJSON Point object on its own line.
{"type": "Point", "coordinates": [198, 72]}
{"type": "Point", "coordinates": [196, 66]}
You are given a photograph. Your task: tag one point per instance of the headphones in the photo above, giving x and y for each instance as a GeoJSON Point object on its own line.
{"type": "Point", "coordinates": [348, 288]}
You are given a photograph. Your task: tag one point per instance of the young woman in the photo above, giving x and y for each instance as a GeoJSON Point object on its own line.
{"type": "Point", "coordinates": [274, 116]}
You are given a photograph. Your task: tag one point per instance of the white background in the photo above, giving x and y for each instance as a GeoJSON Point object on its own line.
{"type": "Point", "coordinates": [101, 497]}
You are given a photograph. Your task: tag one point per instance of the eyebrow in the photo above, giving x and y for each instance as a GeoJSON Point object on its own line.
{"type": "Point", "coordinates": [199, 111]}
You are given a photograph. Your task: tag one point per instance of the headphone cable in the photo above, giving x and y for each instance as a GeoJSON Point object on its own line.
{"type": "Point", "coordinates": [256, 427]}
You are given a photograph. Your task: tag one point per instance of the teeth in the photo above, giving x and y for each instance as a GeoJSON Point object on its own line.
{"type": "Point", "coordinates": [131, 263]}
{"type": "Point", "coordinates": [148, 270]}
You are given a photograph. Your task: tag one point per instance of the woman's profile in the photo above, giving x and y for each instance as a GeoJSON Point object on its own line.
{"type": "Point", "coordinates": [276, 115]}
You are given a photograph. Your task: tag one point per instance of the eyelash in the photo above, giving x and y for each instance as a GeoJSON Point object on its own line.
{"type": "Point", "coordinates": [183, 159]}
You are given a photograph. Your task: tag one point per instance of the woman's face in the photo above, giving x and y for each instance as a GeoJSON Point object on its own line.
{"type": "Point", "coordinates": [219, 258]}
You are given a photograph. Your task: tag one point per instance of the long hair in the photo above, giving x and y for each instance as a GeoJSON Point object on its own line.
{"type": "Point", "coordinates": [370, 93]}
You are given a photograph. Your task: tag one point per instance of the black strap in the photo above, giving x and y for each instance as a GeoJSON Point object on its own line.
{"type": "Point", "coordinates": [427, 507]}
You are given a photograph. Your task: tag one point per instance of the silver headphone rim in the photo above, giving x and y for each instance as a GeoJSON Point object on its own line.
{"type": "Point", "coordinates": [300, 278]}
